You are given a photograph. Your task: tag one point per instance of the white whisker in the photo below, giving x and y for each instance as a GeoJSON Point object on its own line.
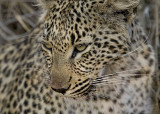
{"type": "Point", "coordinates": [119, 72]}
{"type": "Point", "coordinates": [118, 77]}
{"type": "Point", "coordinates": [115, 79]}
{"type": "Point", "coordinates": [109, 84]}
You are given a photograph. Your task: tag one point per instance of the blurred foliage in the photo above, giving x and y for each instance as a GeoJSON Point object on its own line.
{"type": "Point", "coordinates": [16, 18]}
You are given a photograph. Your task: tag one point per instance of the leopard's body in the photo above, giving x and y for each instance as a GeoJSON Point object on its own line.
{"type": "Point", "coordinates": [92, 51]}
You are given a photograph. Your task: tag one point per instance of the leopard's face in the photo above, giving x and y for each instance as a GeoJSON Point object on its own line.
{"type": "Point", "coordinates": [78, 43]}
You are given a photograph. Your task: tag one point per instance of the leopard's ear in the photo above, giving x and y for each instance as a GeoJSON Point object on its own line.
{"type": "Point", "coordinates": [47, 4]}
{"type": "Point", "coordinates": [127, 7]}
{"type": "Point", "coordinates": [124, 4]}
{"type": "Point", "coordinates": [122, 7]}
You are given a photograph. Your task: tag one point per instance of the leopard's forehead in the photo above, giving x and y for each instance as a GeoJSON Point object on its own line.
{"type": "Point", "coordinates": [71, 23]}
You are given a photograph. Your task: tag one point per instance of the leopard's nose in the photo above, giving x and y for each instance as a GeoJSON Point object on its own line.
{"type": "Point", "coordinates": [59, 81]}
{"type": "Point", "coordinates": [63, 91]}
{"type": "Point", "coordinates": [59, 85]}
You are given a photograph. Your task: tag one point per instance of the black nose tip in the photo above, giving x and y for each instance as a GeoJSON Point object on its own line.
{"type": "Point", "coordinates": [63, 91]}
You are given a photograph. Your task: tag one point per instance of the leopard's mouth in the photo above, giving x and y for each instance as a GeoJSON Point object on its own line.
{"type": "Point", "coordinates": [82, 94]}
{"type": "Point", "coordinates": [91, 89]}
{"type": "Point", "coordinates": [85, 90]}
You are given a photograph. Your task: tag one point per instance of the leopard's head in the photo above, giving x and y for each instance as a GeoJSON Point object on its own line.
{"type": "Point", "coordinates": [82, 37]}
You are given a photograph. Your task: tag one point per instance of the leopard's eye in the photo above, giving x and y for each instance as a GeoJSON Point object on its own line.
{"type": "Point", "coordinates": [81, 47]}
{"type": "Point", "coordinates": [46, 45]}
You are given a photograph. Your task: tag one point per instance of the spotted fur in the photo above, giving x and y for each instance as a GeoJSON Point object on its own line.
{"type": "Point", "coordinates": [85, 57]}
